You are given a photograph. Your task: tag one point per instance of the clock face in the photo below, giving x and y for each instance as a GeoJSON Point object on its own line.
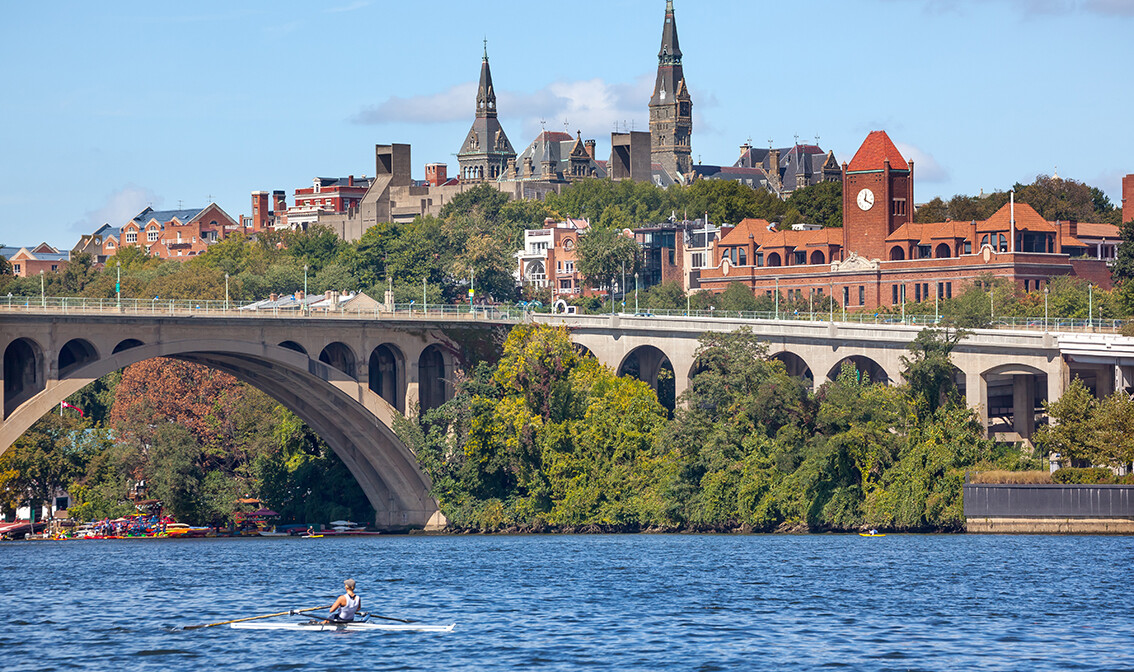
{"type": "Point", "coordinates": [865, 199]}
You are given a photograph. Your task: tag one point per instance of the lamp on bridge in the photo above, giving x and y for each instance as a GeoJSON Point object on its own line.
{"type": "Point", "coordinates": [42, 296]}
{"type": "Point", "coordinates": [226, 292]}
{"type": "Point", "coordinates": [304, 304]}
{"type": "Point", "coordinates": [635, 292]}
{"type": "Point", "coordinates": [118, 284]}
{"type": "Point", "coordinates": [1045, 292]}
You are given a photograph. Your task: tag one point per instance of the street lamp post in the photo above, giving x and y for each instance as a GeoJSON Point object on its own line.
{"type": "Point", "coordinates": [635, 292]}
{"type": "Point", "coordinates": [226, 292]}
{"type": "Point", "coordinates": [304, 306]}
{"type": "Point", "coordinates": [937, 304]}
{"type": "Point", "coordinates": [1090, 303]}
{"type": "Point", "coordinates": [42, 295]}
{"type": "Point", "coordinates": [622, 287]}
{"type": "Point", "coordinates": [424, 297]}
{"type": "Point", "coordinates": [118, 284]}
{"type": "Point", "coordinates": [777, 297]}
{"type": "Point", "coordinates": [1045, 292]}
{"type": "Point", "coordinates": [831, 302]}
{"type": "Point", "coordinates": [902, 289]}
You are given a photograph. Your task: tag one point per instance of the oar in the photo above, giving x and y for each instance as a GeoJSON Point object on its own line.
{"type": "Point", "coordinates": [255, 618]}
{"type": "Point", "coordinates": [388, 618]}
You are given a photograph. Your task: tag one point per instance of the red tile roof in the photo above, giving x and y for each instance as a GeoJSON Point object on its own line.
{"type": "Point", "coordinates": [874, 151]}
{"type": "Point", "coordinates": [1099, 230]}
{"type": "Point", "coordinates": [1027, 219]}
{"type": "Point", "coordinates": [770, 239]}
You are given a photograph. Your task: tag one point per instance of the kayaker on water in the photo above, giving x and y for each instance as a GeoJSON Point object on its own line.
{"type": "Point", "coordinates": [348, 604]}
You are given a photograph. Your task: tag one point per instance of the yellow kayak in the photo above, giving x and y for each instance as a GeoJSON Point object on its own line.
{"type": "Point", "coordinates": [868, 534]}
{"type": "Point", "coordinates": [312, 536]}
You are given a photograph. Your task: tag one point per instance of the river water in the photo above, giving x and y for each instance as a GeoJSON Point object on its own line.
{"type": "Point", "coordinates": [579, 603]}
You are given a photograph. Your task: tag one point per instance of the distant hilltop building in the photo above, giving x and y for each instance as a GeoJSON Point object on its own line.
{"type": "Point", "coordinates": [671, 106]}
{"type": "Point", "coordinates": [486, 152]}
{"type": "Point", "coordinates": [166, 234]}
{"type": "Point", "coordinates": [881, 257]}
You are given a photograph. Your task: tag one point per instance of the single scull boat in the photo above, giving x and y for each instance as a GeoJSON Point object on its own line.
{"type": "Point", "coordinates": [360, 626]}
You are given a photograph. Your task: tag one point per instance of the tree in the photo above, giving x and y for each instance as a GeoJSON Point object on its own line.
{"type": "Point", "coordinates": [1072, 434]}
{"type": "Point", "coordinates": [45, 459]}
{"type": "Point", "coordinates": [316, 247]}
{"type": "Point", "coordinates": [935, 210]}
{"type": "Point", "coordinates": [929, 370]}
{"type": "Point", "coordinates": [1124, 263]}
{"type": "Point", "coordinates": [738, 296]}
{"type": "Point", "coordinates": [1114, 421]}
{"type": "Point", "coordinates": [482, 200]}
{"type": "Point", "coordinates": [820, 204]}
{"type": "Point", "coordinates": [603, 253]}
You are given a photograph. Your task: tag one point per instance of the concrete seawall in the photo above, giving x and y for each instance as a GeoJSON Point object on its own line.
{"type": "Point", "coordinates": [1049, 509]}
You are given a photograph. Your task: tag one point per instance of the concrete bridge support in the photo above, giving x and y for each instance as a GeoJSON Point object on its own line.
{"type": "Point", "coordinates": [346, 379]}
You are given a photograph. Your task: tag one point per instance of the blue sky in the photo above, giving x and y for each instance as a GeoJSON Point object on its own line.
{"type": "Point", "coordinates": [110, 106]}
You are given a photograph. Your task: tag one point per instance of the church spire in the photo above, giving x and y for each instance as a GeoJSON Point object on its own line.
{"type": "Point", "coordinates": [670, 52]}
{"type": "Point", "coordinates": [671, 107]}
{"type": "Point", "coordinates": [485, 95]}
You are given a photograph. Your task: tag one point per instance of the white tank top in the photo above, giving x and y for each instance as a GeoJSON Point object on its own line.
{"type": "Point", "coordinates": [348, 611]}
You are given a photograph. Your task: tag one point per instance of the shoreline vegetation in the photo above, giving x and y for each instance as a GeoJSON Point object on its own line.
{"type": "Point", "coordinates": [546, 438]}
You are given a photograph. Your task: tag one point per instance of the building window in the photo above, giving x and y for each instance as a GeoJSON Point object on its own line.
{"type": "Point", "coordinates": [924, 252]}
{"type": "Point", "coordinates": [569, 267]}
{"type": "Point", "coordinates": [565, 284]}
{"type": "Point", "coordinates": [152, 235]}
{"type": "Point", "coordinates": [846, 296]}
{"type": "Point", "coordinates": [861, 295]}
{"type": "Point", "coordinates": [131, 236]}
{"type": "Point", "coordinates": [742, 257]}
{"type": "Point", "coordinates": [1003, 243]}
{"type": "Point", "coordinates": [800, 258]}
{"type": "Point", "coordinates": [968, 247]}
{"type": "Point", "coordinates": [984, 240]}
{"type": "Point", "coordinates": [894, 294]}
{"type": "Point", "coordinates": [16, 269]}
{"type": "Point", "coordinates": [759, 258]}
{"type": "Point", "coordinates": [698, 260]}
{"type": "Point", "coordinates": [899, 207]}
{"type": "Point", "coordinates": [949, 289]}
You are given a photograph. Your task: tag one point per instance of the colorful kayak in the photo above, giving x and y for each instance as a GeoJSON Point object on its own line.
{"type": "Point", "coordinates": [312, 536]}
{"type": "Point", "coordinates": [868, 534]}
{"type": "Point", "coordinates": [362, 626]}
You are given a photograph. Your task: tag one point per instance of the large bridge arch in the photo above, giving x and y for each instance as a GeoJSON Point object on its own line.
{"type": "Point", "coordinates": [866, 366]}
{"type": "Point", "coordinates": [354, 421]}
{"type": "Point", "coordinates": [650, 365]}
{"type": "Point", "coordinates": [1013, 397]}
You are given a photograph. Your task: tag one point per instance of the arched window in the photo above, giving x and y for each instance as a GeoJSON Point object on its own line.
{"type": "Point", "coordinates": [942, 251]}
{"type": "Point", "coordinates": [897, 254]}
{"type": "Point", "coordinates": [1003, 243]}
{"type": "Point", "coordinates": [774, 259]}
{"type": "Point", "coordinates": [984, 240]}
{"type": "Point", "coordinates": [743, 259]}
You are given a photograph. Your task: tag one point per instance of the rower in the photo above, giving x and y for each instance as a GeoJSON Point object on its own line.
{"type": "Point", "coordinates": [348, 604]}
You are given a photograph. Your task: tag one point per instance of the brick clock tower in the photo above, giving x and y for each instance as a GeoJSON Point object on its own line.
{"type": "Point", "coordinates": [877, 196]}
{"type": "Point", "coordinates": [671, 107]}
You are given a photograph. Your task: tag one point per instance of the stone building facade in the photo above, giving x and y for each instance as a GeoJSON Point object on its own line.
{"type": "Point", "coordinates": [671, 107]}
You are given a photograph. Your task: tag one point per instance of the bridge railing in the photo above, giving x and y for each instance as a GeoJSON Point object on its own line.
{"type": "Point", "coordinates": [65, 305]}
{"type": "Point", "coordinates": [413, 310]}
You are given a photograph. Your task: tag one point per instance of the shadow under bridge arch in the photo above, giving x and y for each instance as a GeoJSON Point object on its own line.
{"type": "Point", "coordinates": [651, 366]}
{"type": "Point", "coordinates": [867, 369]}
{"type": "Point", "coordinates": [354, 421]}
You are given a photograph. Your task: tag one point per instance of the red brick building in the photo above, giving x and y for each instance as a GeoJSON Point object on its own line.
{"type": "Point", "coordinates": [1128, 199]}
{"type": "Point", "coordinates": [881, 258]}
{"type": "Point", "coordinates": [171, 234]}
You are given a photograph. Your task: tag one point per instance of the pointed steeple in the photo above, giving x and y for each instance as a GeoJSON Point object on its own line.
{"type": "Point", "coordinates": [485, 94]}
{"type": "Point", "coordinates": [671, 107]}
{"type": "Point", "coordinates": [670, 52]}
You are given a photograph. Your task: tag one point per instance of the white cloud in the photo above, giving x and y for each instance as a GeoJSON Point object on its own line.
{"type": "Point", "coordinates": [455, 104]}
{"type": "Point", "coordinates": [926, 168]}
{"type": "Point", "coordinates": [119, 208]}
{"type": "Point", "coordinates": [592, 106]}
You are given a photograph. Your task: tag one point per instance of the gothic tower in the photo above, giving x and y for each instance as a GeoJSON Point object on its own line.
{"type": "Point", "coordinates": [671, 108]}
{"type": "Point", "coordinates": [487, 151]}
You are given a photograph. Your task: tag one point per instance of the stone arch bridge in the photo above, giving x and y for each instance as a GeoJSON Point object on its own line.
{"type": "Point", "coordinates": [1004, 375]}
{"type": "Point", "coordinates": [348, 376]}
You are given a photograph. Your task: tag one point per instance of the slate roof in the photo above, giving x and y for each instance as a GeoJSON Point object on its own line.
{"type": "Point", "coordinates": [554, 146]}
{"type": "Point", "coordinates": [363, 182]}
{"type": "Point", "coordinates": [164, 216]}
{"type": "Point", "coordinates": [874, 151]}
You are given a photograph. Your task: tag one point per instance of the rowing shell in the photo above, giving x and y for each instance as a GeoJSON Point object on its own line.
{"type": "Point", "coordinates": [316, 626]}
